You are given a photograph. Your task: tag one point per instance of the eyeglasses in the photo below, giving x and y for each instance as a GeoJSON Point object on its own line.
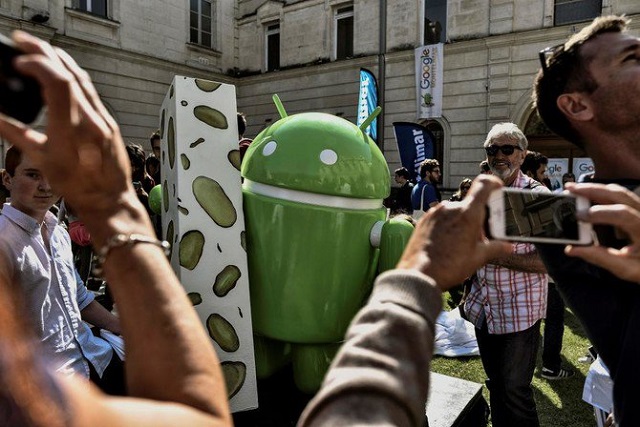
{"type": "Point", "coordinates": [507, 150]}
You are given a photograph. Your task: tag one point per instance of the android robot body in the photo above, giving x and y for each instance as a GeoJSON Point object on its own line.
{"type": "Point", "coordinates": [313, 190]}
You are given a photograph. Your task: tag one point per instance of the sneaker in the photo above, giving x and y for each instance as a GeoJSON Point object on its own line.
{"type": "Point", "coordinates": [560, 374]}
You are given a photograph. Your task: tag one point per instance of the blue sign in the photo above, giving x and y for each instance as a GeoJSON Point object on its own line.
{"type": "Point", "coordinates": [415, 144]}
{"type": "Point", "coordinates": [368, 101]}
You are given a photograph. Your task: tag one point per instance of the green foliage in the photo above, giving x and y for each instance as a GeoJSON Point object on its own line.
{"type": "Point", "coordinates": [559, 402]}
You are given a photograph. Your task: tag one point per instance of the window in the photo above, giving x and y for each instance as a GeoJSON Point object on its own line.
{"type": "Point", "coordinates": [570, 11]}
{"type": "Point", "coordinates": [95, 7]}
{"type": "Point", "coordinates": [343, 20]}
{"type": "Point", "coordinates": [201, 23]}
{"type": "Point", "coordinates": [435, 21]}
{"type": "Point", "coordinates": [272, 47]}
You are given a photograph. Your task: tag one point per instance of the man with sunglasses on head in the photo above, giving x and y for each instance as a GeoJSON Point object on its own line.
{"type": "Point", "coordinates": [588, 91]}
{"type": "Point", "coordinates": [508, 297]}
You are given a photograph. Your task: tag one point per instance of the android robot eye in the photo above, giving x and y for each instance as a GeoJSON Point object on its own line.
{"type": "Point", "coordinates": [328, 157]}
{"type": "Point", "coordinates": [269, 148]}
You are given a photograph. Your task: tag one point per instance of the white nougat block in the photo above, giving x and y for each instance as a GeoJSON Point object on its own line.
{"type": "Point", "coordinates": [203, 219]}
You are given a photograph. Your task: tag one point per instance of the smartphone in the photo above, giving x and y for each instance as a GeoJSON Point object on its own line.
{"type": "Point", "coordinates": [20, 95]}
{"type": "Point", "coordinates": [523, 215]}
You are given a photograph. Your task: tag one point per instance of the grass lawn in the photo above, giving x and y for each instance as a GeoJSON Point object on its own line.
{"type": "Point", "coordinates": [559, 402]}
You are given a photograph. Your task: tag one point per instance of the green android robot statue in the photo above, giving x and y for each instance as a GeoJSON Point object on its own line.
{"type": "Point", "coordinates": [313, 190]}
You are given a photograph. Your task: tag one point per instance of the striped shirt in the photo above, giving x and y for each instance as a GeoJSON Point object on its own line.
{"type": "Point", "coordinates": [509, 300]}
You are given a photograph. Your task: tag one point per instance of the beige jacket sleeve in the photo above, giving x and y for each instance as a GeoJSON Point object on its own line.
{"type": "Point", "coordinates": [380, 376]}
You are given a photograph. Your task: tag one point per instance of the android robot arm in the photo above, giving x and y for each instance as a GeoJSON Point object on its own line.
{"type": "Point", "coordinates": [391, 237]}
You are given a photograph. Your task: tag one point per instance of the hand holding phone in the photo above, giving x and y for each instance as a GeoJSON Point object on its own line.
{"type": "Point", "coordinates": [454, 228]}
{"type": "Point", "coordinates": [20, 95]}
{"type": "Point", "coordinates": [619, 208]}
{"type": "Point", "coordinates": [523, 215]}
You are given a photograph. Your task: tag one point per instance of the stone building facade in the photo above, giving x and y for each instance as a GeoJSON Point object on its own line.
{"type": "Point", "coordinates": [309, 52]}
{"type": "Point", "coordinates": [131, 49]}
{"type": "Point", "coordinates": [490, 59]}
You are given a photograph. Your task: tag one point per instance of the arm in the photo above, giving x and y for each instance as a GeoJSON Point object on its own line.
{"type": "Point", "coordinates": [529, 262]}
{"type": "Point", "coordinates": [380, 374]}
{"type": "Point", "coordinates": [170, 360]}
{"type": "Point", "coordinates": [430, 197]}
{"type": "Point", "coordinates": [404, 305]}
{"type": "Point", "coordinates": [92, 312]}
{"type": "Point", "coordinates": [99, 316]}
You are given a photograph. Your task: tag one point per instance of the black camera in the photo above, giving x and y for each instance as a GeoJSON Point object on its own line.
{"type": "Point", "coordinates": [20, 95]}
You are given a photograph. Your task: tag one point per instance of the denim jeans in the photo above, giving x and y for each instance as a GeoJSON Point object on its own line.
{"type": "Point", "coordinates": [509, 361]}
{"type": "Point", "coordinates": [553, 330]}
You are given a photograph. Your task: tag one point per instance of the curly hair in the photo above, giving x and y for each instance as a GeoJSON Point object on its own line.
{"type": "Point", "coordinates": [428, 166]}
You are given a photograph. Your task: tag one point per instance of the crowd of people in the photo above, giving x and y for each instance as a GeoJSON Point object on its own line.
{"type": "Point", "coordinates": [587, 91]}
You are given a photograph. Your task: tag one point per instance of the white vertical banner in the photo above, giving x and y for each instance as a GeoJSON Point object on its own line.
{"type": "Point", "coordinates": [555, 169]}
{"type": "Point", "coordinates": [582, 166]}
{"type": "Point", "coordinates": [429, 76]}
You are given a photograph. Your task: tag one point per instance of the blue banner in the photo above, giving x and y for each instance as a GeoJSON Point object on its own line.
{"type": "Point", "coordinates": [368, 101]}
{"type": "Point", "coordinates": [415, 144]}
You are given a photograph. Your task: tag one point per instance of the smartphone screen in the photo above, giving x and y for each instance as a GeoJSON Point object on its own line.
{"type": "Point", "coordinates": [524, 215]}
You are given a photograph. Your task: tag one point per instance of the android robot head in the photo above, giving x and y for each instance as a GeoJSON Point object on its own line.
{"type": "Point", "coordinates": [318, 154]}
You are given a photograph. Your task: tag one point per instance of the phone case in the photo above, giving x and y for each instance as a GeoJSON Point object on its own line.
{"type": "Point", "coordinates": [523, 215]}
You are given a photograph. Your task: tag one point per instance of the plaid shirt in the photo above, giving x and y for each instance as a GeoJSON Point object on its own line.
{"type": "Point", "coordinates": [509, 300]}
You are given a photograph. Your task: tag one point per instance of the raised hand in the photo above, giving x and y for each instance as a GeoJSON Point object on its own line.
{"type": "Point", "coordinates": [81, 151]}
{"type": "Point", "coordinates": [449, 243]}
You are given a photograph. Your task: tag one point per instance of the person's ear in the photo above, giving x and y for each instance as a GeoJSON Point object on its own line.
{"type": "Point", "coordinates": [6, 180]}
{"type": "Point", "coordinates": [576, 106]}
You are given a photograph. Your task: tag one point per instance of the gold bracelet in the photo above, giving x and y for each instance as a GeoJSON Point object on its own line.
{"type": "Point", "coordinates": [120, 240]}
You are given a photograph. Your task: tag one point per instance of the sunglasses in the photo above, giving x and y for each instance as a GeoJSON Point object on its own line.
{"type": "Point", "coordinates": [558, 56]}
{"type": "Point", "coordinates": [548, 54]}
{"type": "Point", "coordinates": [507, 150]}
